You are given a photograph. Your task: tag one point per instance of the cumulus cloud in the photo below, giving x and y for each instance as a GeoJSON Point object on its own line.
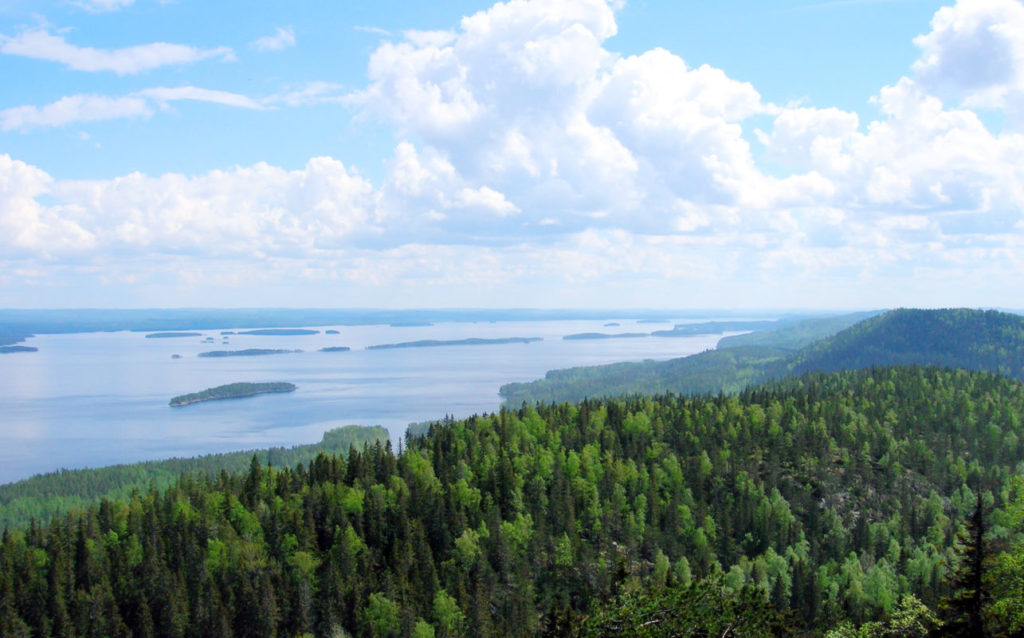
{"type": "Point", "coordinates": [530, 153]}
{"type": "Point", "coordinates": [40, 44]}
{"type": "Point", "coordinates": [974, 53]}
{"type": "Point", "coordinates": [282, 38]}
{"type": "Point", "coordinates": [247, 211]}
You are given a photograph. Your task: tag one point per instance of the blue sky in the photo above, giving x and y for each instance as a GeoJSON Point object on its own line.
{"type": "Point", "coordinates": [555, 153]}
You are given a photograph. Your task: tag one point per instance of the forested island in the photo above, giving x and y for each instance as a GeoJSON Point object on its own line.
{"type": "Point", "coordinates": [431, 343]}
{"type": "Point", "coordinates": [13, 349]}
{"type": "Point", "coordinates": [248, 352]}
{"type": "Point", "coordinates": [580, 336]}
{"type": "Point", "coordinates": [173, 335]}
{"type": "Point", "coordinates": [230, 391]}
{"type": "Point", "coordinates": [840, 504]}
{"type": "Point", "coordinates": [335, 349]}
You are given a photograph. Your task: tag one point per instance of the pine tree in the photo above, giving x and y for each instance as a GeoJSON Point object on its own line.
{"type": "Point", "coordinates": [962, 611]}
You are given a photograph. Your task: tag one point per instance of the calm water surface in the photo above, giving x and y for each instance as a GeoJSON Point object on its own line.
{"type": "Point", "coordinates": [88, 400]}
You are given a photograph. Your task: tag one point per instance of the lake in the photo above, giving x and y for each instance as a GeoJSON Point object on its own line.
{"type": "Point", "coordinates": [94, 399]}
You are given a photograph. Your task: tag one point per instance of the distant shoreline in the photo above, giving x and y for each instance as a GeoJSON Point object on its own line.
{"type": "Point", "coordinates": [250, 352]}
{"type": "Point", "coordinates": [173, 335]}
{"type": "Point", "coordinates": [433, 343]}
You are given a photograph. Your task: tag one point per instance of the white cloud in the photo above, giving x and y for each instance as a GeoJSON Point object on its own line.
{"type": "Point", "coordinates": [283, 38]}
{"type": "Point", "coordinates": [90, 108]}
{"type": "Point", "coordinates": [487, 199]}
{"type": "Point", "coordinates": [531, 154]}
{"type": "Point", "coordinates": [74, 109]}
{"type": "Point", "coordinates": [245, 212]}
{"type": "Point", "coordinates": [164, 94]}
{"type": "Point", "coordinates": [100, 6]}
{"type": "Point", "coordinates": [974, 52]}
{"type": "Point", "coordinates": [42, 45]}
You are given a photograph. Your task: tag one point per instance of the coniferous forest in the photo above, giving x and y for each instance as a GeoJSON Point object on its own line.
{"type": "Point", "coordinates": [878, 502]}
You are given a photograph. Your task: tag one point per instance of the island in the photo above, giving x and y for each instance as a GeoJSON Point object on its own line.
{"type": "Point", "coordinates": [13, 349]}
{"type": "Point", "coordinates": [602, 335]}
{"type": "Point", "coordinates": [228, 332]}
{"type": "Point", "coordinates": [250, 352]}
{"type": "Point", "coordinates": [409, 324]}
{"type": "Point", "coordinates": [335, 349]}
{"type": "Point", "coordinates": [613, 324]}
{"type": "Point", "coordinates": [279, 332]}
{"type": "Point", "coordinates": [173, 335]}
{"type": "Point", "coordinates": [331, 332]}
{"type": "Point", "coordinates": [432, 343]}
{"type": "Point", "coordinates": [175, 356]}
{"type": "Point", "coordinates": [230, 391]}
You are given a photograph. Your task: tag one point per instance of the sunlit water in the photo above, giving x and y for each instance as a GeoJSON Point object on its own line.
{"type": "Point", "coordinates": [88, 400]}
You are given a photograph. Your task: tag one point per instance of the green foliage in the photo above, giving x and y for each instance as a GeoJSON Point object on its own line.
{"type": "Point", "coordinates": [704, 608]}
{"type": "Point", "coordinates": [46, 495]}
{"type": "Point", "coordinates": [820, 500]}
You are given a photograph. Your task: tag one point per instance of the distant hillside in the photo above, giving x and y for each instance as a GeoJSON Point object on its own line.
{"type": "Point", "coordinates": [794, 335]}
{"type": "Point", "coordinates": [986, 340]}
{"type": "Point", "coordinates": [955, 338]}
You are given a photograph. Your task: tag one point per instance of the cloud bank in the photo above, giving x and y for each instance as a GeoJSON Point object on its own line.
{"type": "Point", "coordinates": [529, 153]}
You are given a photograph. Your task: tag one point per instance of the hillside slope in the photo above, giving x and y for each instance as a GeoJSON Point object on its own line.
{"type": "Point", "coordinates": [991, 341]}
{"type": "Point", "coordinates": [985, 340]}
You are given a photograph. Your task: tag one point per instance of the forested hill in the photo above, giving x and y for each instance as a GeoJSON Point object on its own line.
{"type": "Point", "coordinates": [955, 338]}
{"type": "Point", "coordinates": [827, 499]}
{"type": "Point", "coordinates": [970, 339]}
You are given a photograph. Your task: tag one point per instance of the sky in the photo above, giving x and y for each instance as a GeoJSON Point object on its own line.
{"type": "Point", "coordinates": [817, 154]}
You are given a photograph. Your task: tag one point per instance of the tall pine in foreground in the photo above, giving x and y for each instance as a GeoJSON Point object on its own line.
{"type": "Point", "coordinates": [963, 610]}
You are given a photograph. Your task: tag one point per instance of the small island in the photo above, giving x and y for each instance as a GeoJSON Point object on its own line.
{"type": "Point", "coordinates": [250, 352]}
{"type": "Point", "coordinates": [602, 335]}
{"type": "Point", "coordinates": [612, 324]}
{"type": "Point", "coordinates": [13, 349]}
{"type": "Point", "coordinates": [331, 332]}
{"type": "Point", "coordinates": [279, 332]}
{"type": "Point", "coordinates": [335, 349]}
{"type": "Point", "coordinates": [431, 343]}
{"type": "Point", "coordinates": [230, 391]}
{"type": "Point", "coordinates": [173, 335]}
{"type": "Point", "coordinates": [175, 356]}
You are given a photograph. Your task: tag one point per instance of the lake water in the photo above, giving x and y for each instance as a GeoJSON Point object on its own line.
{"type": "Point", "coordinates": [88, 400]}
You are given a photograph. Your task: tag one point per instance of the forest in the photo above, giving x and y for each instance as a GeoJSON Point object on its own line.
{"type": "Point", "coordinates": [956, 338]}
{"type": "Point", "coordinates": [877, 502]}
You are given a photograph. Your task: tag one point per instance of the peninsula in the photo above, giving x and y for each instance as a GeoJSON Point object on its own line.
{"type": "Point", "coordinates": [249, 352]}
{"type": "Point", "coordinates": [230, 391]}
{"type": "Point", "coordinates": [432, 343]}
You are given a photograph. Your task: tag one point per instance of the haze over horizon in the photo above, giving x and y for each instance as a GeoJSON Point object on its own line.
{"type": "Point", "coordinates": [535, 153]}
